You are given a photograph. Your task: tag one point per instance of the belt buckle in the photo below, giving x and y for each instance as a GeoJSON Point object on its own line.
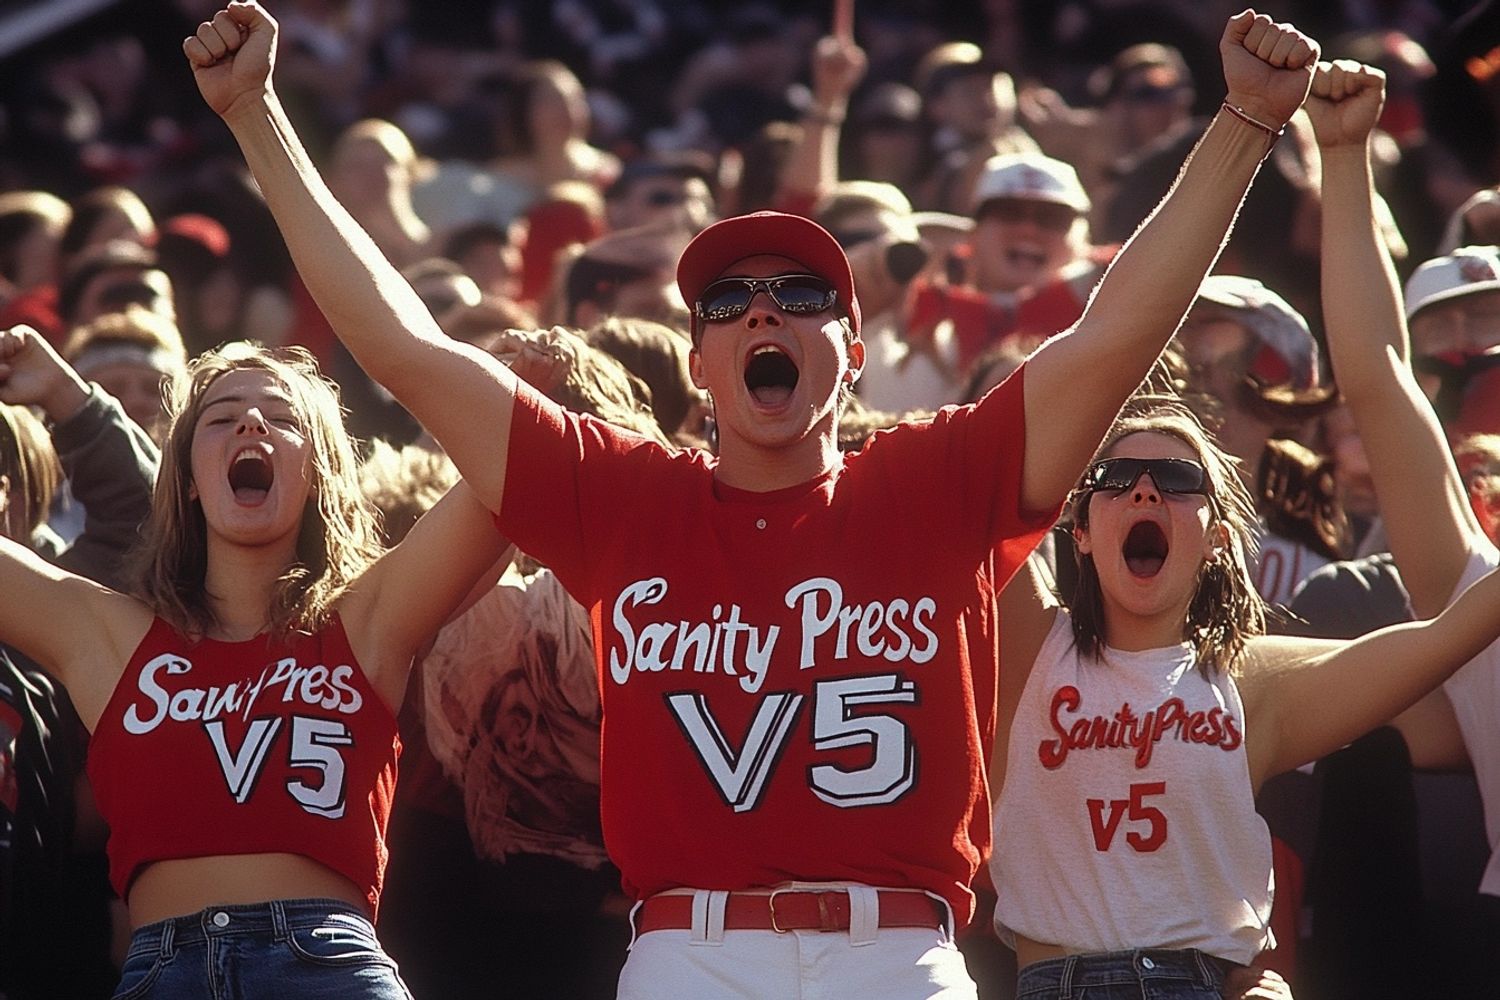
{"type": "Point", "coordinates": [827, 919]}
{"type": "Point", "coordinates": [771, 902]}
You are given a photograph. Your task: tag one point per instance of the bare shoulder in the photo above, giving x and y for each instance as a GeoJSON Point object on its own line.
{"type": "Point", "coordinates": [1269, 658]}
{"type": "Point", "coordinates": [96, 659]}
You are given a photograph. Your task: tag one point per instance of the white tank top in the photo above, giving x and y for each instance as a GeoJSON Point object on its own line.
{"type": "Point", "coordinates": [1127, 819]}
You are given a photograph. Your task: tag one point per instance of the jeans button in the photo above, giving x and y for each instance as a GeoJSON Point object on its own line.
{"type": "Point", "coordinates": [221, 919]}
{"type": "Point", "coordinates": [1145, 962]}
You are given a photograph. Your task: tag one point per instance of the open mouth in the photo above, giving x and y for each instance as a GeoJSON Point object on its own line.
{"type": "Point", "coordinates": [770, 375]}
{"type": "Point", "coordinates": [1026, 257]}
{"type": "Point", "coordinates": [250, 477]}
{"type": "Point", "coordinates": [1145, 549]}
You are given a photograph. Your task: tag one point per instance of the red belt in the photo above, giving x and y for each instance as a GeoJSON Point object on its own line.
{"type": "Point", "coordinates": [785, 910]}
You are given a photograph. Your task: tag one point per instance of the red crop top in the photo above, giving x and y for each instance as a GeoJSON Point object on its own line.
{"type": "Point", "coordinates": [246, 748]}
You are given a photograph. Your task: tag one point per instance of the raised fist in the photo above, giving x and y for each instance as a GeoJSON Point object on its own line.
{"type": "Point", "coordinates": [837, 67]}
{"type": "Point", "coordinates": [32, 374]}
{"type": "Point", "coordinates": [1345, 102]}
{"type": "Point", "coordinates": [232, 55]}
{"type": "Point", "coordinates": [1268, 67]}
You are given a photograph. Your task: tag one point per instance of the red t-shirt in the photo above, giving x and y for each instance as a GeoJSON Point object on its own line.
{"type": "Point", "coordinates": [797, 685]}
{"type": "Point", "coordinates": [246, 748]}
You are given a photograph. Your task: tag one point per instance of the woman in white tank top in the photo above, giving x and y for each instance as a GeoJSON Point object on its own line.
{"type": "Point", "coordinates": [1142, 721]}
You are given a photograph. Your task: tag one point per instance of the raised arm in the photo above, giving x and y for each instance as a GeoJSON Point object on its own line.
{"type": "Point", "coordinates": [1027, 611]}
{"type": "Point", "coordinates": [812, 169]}
{"type": "Point", "coordinates": [460, 394]}
{"type": "Point", "coordinates": [79, 631]}
{"type": "Point", "coordinates": [109, 460]}
{"type": "Point", "coordinates": [1432, 529]}
{"type": "Point", "coordinates": [397, 606]}
{"type": "Point", "coordinates": [1305, 697]}
{"type": "Point", "coordinates": [1076, 382]}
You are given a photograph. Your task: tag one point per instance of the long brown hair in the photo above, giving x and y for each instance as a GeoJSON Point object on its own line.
{"type": "Point", "coordinates": [1225, 610]}
{"type": "Point", "coordinates": [31, 469]}
{"type": "Point", "coordinates": [338, 537]}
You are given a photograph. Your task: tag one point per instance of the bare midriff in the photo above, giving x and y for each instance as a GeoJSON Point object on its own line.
{"type": "Point", "coordinates": [1028, 951]}
{"type": "Point", "coordinates": [182, 886]}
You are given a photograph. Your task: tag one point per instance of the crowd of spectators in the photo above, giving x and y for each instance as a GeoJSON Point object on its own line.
{"type": "Point", "coordinates": [540, 166]}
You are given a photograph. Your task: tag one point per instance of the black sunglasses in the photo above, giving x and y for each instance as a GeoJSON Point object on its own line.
{"type": "Point", "coordinates": [1171, 475]}
{"type": "Point", "coordinates": [797, 294]}
{"type": "Point", "coordinates": [1044, 214]}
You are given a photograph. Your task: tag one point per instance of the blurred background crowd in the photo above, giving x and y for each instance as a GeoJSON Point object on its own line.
{"type": "Point", "coordinates": [539, 166]}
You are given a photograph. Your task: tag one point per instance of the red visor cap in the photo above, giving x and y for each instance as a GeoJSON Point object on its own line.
{"type": "Point", "coordinates": [712, 251]}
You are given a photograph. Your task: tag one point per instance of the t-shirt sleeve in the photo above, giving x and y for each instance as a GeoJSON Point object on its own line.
{"type": "Point", "coordinates": [561, 471]}
{"type": "Point", "coordinates": [1000, 437]}
{"type": "Point", "coordinates": [984, 452]}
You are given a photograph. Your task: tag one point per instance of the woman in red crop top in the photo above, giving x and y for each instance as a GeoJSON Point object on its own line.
{"type": "Point", "coordinates": [243, 696]}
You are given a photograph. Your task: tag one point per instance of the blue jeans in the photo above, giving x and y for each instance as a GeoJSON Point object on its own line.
{"type": "Point", "coordinates": [287, 949]}
{"type": "Point", "coordinates": [1152, 974]}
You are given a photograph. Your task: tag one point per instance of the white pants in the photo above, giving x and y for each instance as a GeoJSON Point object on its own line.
{"type": "Point", "coordinates": [710, 963]}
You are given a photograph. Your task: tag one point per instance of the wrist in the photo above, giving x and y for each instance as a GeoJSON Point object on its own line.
{"type": "Point", "coordinates": [250, 108]}
{"type": "Point", "coordinates": [826, 114]}
{"type": "Point", "coordinates": [1350, 148]}
{"type": "Point", "coordinates": [66, 399]}
{"type": "Point", "coordinates": [1257, 119]}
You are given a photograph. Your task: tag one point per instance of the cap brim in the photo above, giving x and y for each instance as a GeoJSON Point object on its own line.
{"type": "Point", "coordinates": [719, 246]}
{"type": "Point", "coordinates": [929, 223]}
{"type": "Point", "coordinates": [1437, 298]}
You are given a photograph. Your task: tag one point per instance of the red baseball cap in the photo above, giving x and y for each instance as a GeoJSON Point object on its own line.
{"type": "Point", "coordinates": [712, 251]}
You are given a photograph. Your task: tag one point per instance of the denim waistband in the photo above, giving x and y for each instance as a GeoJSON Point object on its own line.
{"type": "Point", "coordinates": [274, 919]}
{"type": "Point", "coordinates": [1064, 975]}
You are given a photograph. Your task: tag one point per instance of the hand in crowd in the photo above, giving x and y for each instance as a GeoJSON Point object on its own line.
{"type": "Point", "coordinates": [1268, 67]}
{"type": "Point", "coordinates": [232, 55]}
{"type": "Point", "coordinates": [32, 374]}
{"type": "Point", "coordinates": [837, 67]}
{"type": "Point", "coordinates": [541, 358]}
{"type": "Point", "coordinates": [1256, 984]}
{"type": "Point", "coordinates": [1345, 101]}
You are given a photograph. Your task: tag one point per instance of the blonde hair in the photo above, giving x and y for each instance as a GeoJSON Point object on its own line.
{"type": "Point", "coordinates": [404, 484]}
{"type": "Point", "coordinates": [338, 538]}
{"type": "Point", "coordinates": [29, 462]}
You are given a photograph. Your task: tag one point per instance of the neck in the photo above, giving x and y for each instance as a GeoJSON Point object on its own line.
{"type": "Point", "coordinates": [745, 465]}
{"type": "Point", "coordinates": [240, 581]}
{"type": "Point", "coordinates": [1132, 632]}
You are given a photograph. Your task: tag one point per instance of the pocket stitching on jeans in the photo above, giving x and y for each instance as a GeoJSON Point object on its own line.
{"type": "Point", "coordinates": [375, 956]}
{"type": "Point", "coordinates": [140, 988]}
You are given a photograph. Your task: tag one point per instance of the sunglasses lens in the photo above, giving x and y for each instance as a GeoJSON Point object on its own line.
{"type": "Point", "coordinates": [802, 295]}
{"type": "Point", "coordinates": [1170, 475]}
{"type": "Point", "coordinates": [724, 300]}
{"type": "Point", "coordinates": [1176, 476]}
{"type": "Point", "coordinates": [798, 294]}
{"type": "Point", "coordinates": [1114, 474]}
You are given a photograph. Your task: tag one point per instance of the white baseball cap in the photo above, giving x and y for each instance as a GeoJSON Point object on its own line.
{"type": "Point", "coordinates": [1289, 353]}
{"type": "Point", "coordinates": [1463, 272]}
{"type": "Point", "coordinates": [1031, 177]}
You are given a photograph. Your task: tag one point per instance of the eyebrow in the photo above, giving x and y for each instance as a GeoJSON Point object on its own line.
{"type": "Point", "coordinates": [271, 397]}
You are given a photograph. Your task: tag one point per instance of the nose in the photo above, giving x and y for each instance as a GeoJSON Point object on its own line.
{"type": "Point", "coordinates": [762, 310]}
{"type": "Point", "coordinates": [1144, 491]}
{"type": "Point", "coordinates": [251, 422]}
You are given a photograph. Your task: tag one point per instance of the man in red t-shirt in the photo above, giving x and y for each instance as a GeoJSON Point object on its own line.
{"type": "Point", "coordinates": [796, 650]}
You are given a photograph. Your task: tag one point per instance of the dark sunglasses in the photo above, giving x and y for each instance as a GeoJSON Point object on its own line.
{"type": "Point", "coordinates": [1150, 95]}
{"type": "Point", "coordinates": [1045, 214]}
{"type": "Point", "coordinates": [1171, 475]}
{"type": "Point", "coordinates": [795, 294]}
